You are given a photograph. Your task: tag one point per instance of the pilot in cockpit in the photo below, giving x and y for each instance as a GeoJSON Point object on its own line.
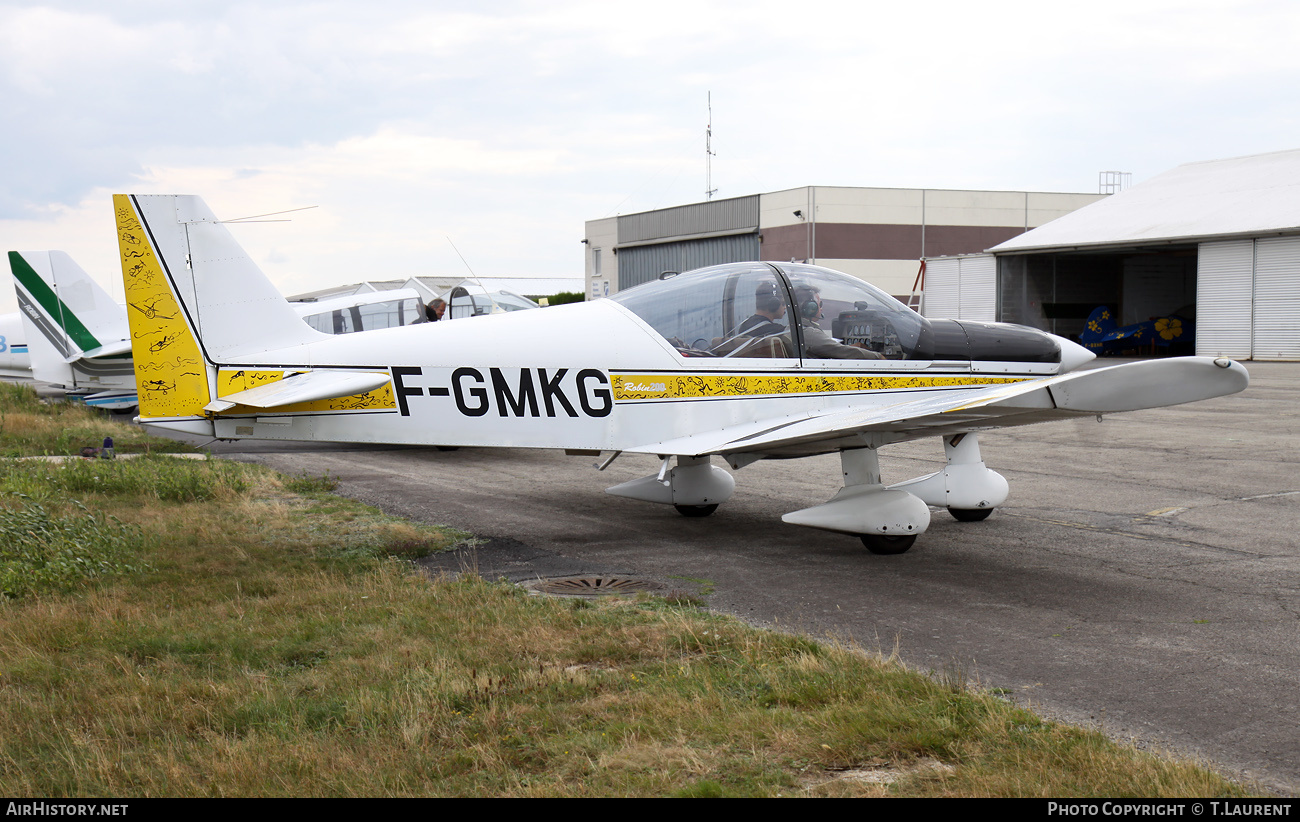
{"type": "Point", "coordinates": [817, 342]}
{"type": "Point", "coordinates": [768, 308]}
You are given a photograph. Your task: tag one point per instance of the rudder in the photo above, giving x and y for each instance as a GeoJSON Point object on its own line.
{"type": "Point", "coordinates": [171, 374]}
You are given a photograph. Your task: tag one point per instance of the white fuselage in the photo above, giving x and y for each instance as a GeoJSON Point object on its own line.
{"type": "Point", "coordinates": [14, 359]}
{"type": "Point", "coordinates": [586, 376]}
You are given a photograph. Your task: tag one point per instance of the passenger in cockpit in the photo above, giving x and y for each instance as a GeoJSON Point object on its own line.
{"type": "Point", "coordinates": [817, 342]}
{"type": "Point", "coordinates": [768, 308]}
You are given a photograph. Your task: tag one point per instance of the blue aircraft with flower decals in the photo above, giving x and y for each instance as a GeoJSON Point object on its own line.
{"type": "Point", "coordinates": [1101, 335]}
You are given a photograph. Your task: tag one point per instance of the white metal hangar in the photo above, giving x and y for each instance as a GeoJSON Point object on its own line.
{"type": "Point", "coordinates": [877, 234]}
{"type": "Point", "coordinates": [1217, 240]}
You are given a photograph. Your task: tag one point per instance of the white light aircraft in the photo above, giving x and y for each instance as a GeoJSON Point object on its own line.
{"type": "Point", "coordinates": [81, 336]}
{"type": "Point", "coordinates": [367, 311]}
{"type": "Point", "coordinates": [14, 359]}
{"type": "Point", "coordinates": [708, 363]}
{"type": "Point", "coordinates": [76, 333]}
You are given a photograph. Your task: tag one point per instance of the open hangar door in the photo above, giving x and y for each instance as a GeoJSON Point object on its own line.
{"type": "Point", "coordinates": [1056, 292]}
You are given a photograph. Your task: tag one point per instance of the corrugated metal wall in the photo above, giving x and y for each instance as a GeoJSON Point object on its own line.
{"type": "Point", "coordinates": [1223, 298]}
{"type": "Point", "coordinates": [962, 288]}
{"type": "Point", "coordinates": [979, 288]}
{"type": "Point", "coordinates": [1248, 299]}
{"type": "Point", "coordinates": [1277, 299]}
{"type": "Point", "coordinates": [943, 288]}
{"type": "Point", "coordinates": [696, 218]}
{"type": "Point", "coordinates": [734, 221]}
{"type": "Point", "coordinates": [641, 264]}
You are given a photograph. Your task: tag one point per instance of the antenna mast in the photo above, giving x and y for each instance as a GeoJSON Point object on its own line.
{"type": "Point", "coordinates": [709, 190]}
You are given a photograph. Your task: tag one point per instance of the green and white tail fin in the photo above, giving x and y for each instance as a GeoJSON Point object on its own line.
{"type": "Point", "coordinates": [77, 334]}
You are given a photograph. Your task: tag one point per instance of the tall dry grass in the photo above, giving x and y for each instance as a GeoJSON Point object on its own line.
{"type": "Point", "coordinates": [31, 426]}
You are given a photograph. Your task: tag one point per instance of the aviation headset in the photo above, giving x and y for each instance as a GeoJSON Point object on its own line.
{"type": "Point", "coordinates": [806, 296]}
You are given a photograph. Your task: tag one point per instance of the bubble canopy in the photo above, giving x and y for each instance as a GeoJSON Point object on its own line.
{"type": "Point", "coordinates": [746, 310]}
{"type": "Point", "coordinates": [793, 311]}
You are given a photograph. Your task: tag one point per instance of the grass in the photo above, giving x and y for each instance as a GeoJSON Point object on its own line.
{"type": "Point", "coordinates": [41, 552]}
{"type": "Point", "coordinates": [264, 643]}
{"type": "Point", "coordinates": [32, 427]}
{"type": "Point", "coordinates": [257, 640]}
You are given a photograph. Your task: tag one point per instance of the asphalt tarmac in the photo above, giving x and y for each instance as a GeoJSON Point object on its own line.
{"type": "Point", "coordinates": [1143, 577]}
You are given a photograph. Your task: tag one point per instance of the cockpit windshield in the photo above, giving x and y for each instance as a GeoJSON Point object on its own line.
{"type": "Point", "coordinates": [735, 310]}
{"type": "Point", "coordinates": [778, 311]}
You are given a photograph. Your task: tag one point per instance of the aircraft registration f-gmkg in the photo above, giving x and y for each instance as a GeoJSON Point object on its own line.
{"type": "Point", "coordinates": [744, 361]}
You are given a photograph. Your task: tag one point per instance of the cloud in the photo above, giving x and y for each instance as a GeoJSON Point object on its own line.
{"type": "Point", "coordinates": [505, 126]}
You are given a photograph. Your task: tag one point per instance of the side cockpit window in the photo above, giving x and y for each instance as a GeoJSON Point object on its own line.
{"type": "Point", "coordinates": [842, 317]}
{"type": "Point", "coordinates": [739, 310]}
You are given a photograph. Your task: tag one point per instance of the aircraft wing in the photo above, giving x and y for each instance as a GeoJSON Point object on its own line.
{"type": "Point", "coordinates": [1129, 387]}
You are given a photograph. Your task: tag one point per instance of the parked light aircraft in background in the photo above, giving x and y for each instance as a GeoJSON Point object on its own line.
{"type": "Point", "coordinates": [81, 337]}
{"type": "Point", "coordinates": [738, 361]}
{"type": "Point", "coordinates": [366, 311]}
{"type": "Point", "coordinates": [76, 333]}
{"type": "Point", "coordinates": [476, 301]}
{"type": "Point", "coordinates": [14, 359]}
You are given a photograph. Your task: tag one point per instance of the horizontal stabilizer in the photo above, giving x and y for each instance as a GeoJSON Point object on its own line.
{"type": "Point", "coordinates": [112, 400]}
{"type": "Point", "coordinates": [113, 349]}
{"type": "Point", "coordinates": [304, 387]}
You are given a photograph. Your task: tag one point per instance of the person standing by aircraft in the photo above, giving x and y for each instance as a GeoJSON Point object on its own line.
{"type": "Point", "coordinates": [816, 341]}
{"type": "Point", "coordinates": [436, 309]}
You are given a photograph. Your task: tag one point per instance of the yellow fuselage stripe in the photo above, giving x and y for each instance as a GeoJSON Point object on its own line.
{"type": "Point", "coordinates": [696, 386]}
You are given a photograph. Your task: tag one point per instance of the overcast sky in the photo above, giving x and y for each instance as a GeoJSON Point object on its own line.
{"type": "Point", "coordinates": [503, 126]}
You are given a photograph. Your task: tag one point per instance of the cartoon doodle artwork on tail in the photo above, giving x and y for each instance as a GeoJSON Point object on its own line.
{"type": "Point", "coordinates": [159, 332]}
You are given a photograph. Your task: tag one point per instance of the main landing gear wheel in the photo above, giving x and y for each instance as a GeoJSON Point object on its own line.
{"type": "Point", "coordinates": [881, 544]}
{"type": "Point", "coordinates": [970, 514]}
{"type": "Point", "coordinates": [696, 510]}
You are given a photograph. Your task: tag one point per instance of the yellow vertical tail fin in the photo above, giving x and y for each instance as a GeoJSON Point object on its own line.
{"type": "Point", "coordinates": [171, 374]}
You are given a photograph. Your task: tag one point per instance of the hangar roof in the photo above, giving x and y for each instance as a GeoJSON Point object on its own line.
{"type": "Point", "coordinates": [1249, 196]}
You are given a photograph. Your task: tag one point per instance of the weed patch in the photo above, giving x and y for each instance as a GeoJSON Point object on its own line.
{"type": "Point", "coordinates": [305, 483]}
{"type": "Point", "coordinates": [153, 477]}
{"type": "Point", "coordinates": [31, 426]}
{"type": "Point", "coordinates": [41, 553]}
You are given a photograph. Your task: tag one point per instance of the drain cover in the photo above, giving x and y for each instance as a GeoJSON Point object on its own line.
{"type": "Point", "coordinates": [595, 585]}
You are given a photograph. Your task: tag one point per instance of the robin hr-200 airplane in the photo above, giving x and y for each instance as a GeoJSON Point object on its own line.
{"type": "Point", "coordinates": [744, 361]}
